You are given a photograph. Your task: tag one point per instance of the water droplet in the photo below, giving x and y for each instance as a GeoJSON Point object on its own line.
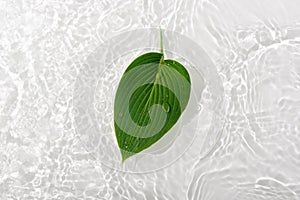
{"type": "Point", "coordinates": [167, 107]}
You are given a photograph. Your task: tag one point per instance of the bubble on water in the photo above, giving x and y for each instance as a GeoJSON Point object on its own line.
{"type": "Point", "coordinates": [199, 107]}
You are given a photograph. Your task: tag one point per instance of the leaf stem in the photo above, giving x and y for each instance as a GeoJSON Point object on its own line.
{"type": "Point", "coordinates": [161, 42]}
{"type": "Point", "coordinates": [161, 46]}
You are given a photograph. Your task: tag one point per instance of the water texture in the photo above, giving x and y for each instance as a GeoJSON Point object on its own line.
{"type": "Point", "coordinates": [247, 135]}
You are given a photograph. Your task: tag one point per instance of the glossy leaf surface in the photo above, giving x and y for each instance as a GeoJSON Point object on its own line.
{"type": "Point", "coordinates": [151, 96]}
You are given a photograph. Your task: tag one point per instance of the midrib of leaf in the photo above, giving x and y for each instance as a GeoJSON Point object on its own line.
{"type": "Point", "coordinates": [157, 77]}
{"type": "Point", "coordinates": [156, 81]}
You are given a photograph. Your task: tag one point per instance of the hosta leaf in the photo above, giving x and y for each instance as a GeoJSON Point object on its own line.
{"type": "Point", "coordinates": [151, 96]}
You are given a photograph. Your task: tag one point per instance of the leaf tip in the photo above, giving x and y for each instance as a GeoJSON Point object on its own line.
{"type": "Point", "coordinates": [123, 160]}
{"type": "Point", "coordinates": [125, 155]}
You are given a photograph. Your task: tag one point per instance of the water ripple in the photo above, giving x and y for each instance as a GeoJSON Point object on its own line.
{"type": "Point", "coordinates": [251, 152]}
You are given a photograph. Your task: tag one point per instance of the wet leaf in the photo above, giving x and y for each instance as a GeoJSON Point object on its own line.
{"type": "Point", "coordinates": [151, 96]}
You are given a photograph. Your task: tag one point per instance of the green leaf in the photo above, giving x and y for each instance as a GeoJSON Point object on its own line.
{"type": "Point", "coordinates": [151, 96]}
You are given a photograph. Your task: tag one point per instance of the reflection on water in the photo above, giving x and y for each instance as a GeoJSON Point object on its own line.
{"type": "Point", "coordinates": [255, 47]}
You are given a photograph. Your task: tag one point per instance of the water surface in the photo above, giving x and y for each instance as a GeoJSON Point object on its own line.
{"type": "Point", "coordinates": [254, 47]}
